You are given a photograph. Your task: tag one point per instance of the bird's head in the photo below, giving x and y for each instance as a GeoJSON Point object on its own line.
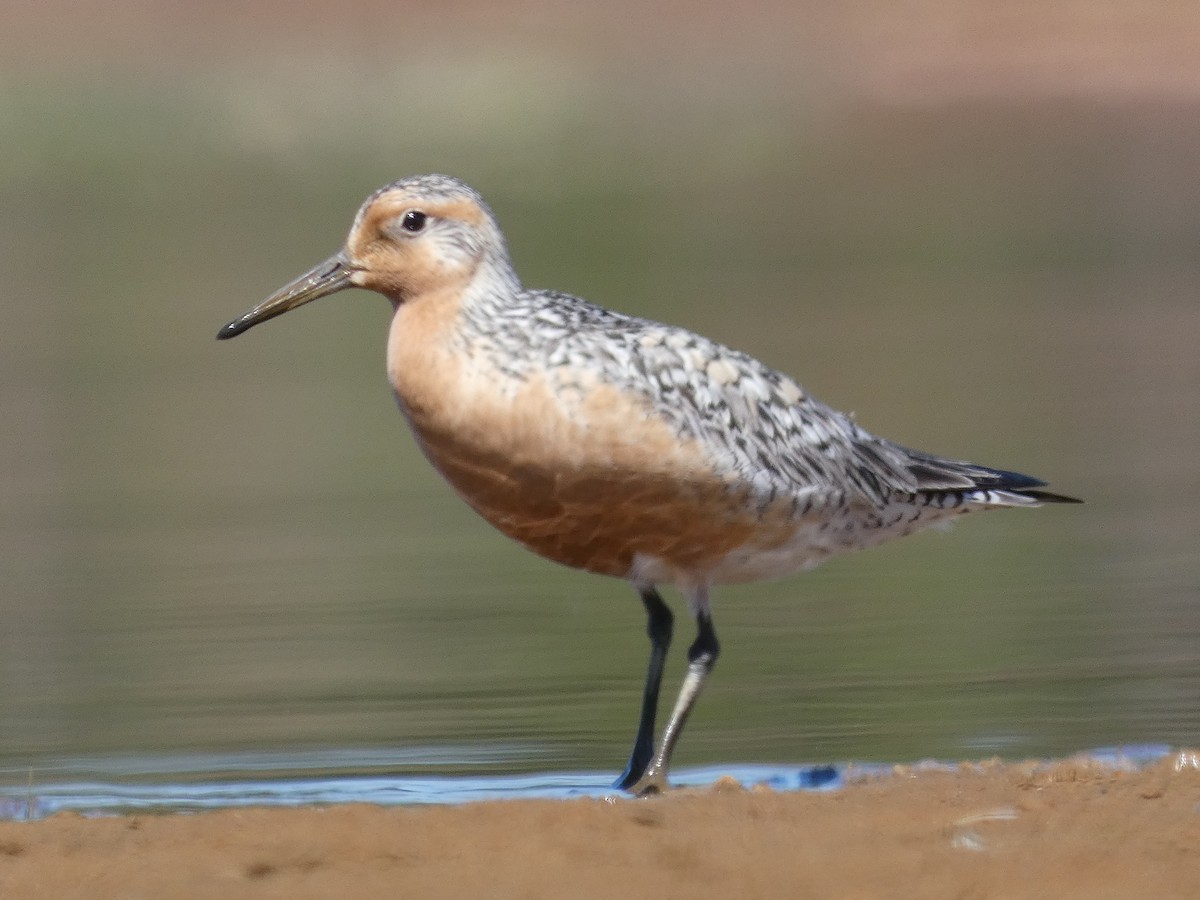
{"type": "Point", "coordinates": [415, 236]}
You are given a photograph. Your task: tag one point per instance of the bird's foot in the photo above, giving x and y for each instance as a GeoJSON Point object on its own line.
{"type": "Point", "coordinates": [654, 781]}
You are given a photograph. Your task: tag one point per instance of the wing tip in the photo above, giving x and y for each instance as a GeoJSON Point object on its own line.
{"type": "Point", "coordinates": [1022, 485]}
{"type": "Point", "coordinates": [985, 478]}
{"type": "Point", "coordinates": [1047, 496]}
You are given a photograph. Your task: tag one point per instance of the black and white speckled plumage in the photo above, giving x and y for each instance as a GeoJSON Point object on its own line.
{"type": "Point", "coordinates": [758, 425]}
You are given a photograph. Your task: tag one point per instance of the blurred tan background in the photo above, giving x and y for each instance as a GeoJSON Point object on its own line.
{"type": "Point", "coordinates": [975, 225]}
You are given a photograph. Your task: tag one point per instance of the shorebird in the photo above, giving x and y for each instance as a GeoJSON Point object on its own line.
{"type": "Point", "coordinates": [619, 445]}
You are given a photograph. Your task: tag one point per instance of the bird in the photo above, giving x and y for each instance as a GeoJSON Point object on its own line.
{"type": "Point", "coordinates": [619, 445]}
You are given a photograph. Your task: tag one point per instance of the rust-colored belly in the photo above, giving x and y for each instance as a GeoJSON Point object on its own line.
{"type": "Point", "coordinates": [599, 519]}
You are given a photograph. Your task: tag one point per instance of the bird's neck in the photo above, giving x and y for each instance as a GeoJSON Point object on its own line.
{"type": "Point", "coordinates": [493, 285]}
{"type": "Point", "coordinates": [443, 322]}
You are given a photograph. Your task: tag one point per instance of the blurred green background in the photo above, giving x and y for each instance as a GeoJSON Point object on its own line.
{"type": "Point", "coordinates": [975, 226]}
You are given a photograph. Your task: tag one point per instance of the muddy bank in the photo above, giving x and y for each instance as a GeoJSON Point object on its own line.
{"type": "Point", "coordinates": [1072, 829]}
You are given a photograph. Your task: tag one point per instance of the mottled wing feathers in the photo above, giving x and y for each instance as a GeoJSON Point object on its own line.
{"type": "Point", "coordinates": [762, 424]}
{"type": "Point", "coordinates": [756, 425]}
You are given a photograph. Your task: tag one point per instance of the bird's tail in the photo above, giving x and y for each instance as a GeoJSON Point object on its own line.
{"type": "Point", "coordinates": [983, 485]}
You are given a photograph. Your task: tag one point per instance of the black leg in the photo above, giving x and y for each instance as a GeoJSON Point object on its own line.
{"type": "Point", "coordinates": [702, 655]}
{"type": "Point", "coordinates": [660, 624]}
{"type": "Point", "coordinates": [705, 649]}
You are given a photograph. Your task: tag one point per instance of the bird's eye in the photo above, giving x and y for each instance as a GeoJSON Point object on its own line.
{"type": "Point", "coordinates": [413, 221]}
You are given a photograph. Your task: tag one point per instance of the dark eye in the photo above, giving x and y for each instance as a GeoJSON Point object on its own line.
{"type": "Point", "coordinates": [413, 221]}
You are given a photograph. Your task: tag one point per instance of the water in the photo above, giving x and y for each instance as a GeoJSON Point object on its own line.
{"type": "Point", "coordinates": [121, 785]}
{"type": "Point", "coordinates": [213, 550]}
{"type": "Point", "coordinates": [281, 787]}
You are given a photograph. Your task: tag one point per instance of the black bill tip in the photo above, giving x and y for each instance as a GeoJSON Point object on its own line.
{"type": "Point", "coordinates": [233, 329]}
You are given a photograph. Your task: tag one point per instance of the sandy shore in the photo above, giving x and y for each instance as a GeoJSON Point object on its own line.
{"type": "Point", "coordinates": [1073, 829]}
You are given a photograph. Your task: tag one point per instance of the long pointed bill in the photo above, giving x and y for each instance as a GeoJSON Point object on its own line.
{"type": "Point", "coordinates": [329, 277]}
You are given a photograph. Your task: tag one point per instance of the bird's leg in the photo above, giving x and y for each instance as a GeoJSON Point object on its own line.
{"type": "Point", "coordinates": [660, 625]}
{"type": "Point", "coordinates": [702, 655]}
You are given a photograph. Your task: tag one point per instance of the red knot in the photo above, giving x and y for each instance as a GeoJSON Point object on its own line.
{"type": "Point", "coordinates": [618, 445]}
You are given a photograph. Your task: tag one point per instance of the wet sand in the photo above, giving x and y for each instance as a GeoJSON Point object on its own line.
{"type": "Point", "coordinates": [1071, 829]}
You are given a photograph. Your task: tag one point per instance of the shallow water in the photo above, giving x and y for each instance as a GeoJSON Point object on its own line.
{"type": "Point", "coordinates": [132, 784]}
{"type": "Point", "coordinates": [213, 550]}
